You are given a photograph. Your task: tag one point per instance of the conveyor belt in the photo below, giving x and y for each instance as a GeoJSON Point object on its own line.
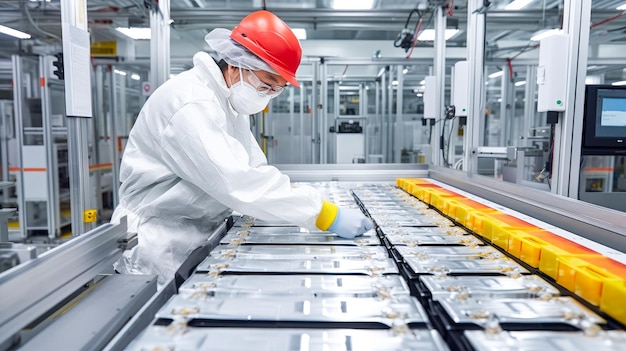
{"type": "Point", "coordinates": [422, 279]}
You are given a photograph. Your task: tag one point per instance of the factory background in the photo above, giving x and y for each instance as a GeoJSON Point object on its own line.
{"type": "Point", "coordinates": [491, 117]}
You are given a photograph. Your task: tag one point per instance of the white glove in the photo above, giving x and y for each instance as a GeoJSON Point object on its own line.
{"type": "Point", "coordinates": [350, 223]}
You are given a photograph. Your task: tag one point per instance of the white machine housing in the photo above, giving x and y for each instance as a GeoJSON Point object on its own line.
{"type": "Point", "coordinates": [430, 97]}
{"type": "Point", "coordinates": [460, 86]}
{"type": "Point", "coordinates": [552, 73]}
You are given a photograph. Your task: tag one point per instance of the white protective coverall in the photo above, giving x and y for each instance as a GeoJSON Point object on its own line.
{"type": "Point", "coordinates": [189, 160]}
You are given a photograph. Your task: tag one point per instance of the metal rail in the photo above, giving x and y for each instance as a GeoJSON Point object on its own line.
{"type": "Point", "coordinates": [40, 284]}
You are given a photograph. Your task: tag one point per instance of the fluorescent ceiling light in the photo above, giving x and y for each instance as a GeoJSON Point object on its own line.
{"type": "Point", "coordinates": [395, 82]}
{"type": "Point", "coordinates": [121, 73]}
{"type": "Point", "coordinates": [135, 33]}
{"type": "Point", "coordinates": [352, 4]}
{"type": "Point", "coordinates": [520, 83]}
{"type": "Point", "coordinates": [621, 7]}
{"type": "Point", "coordinates": [518, 4]}
{"type": "Point", "coordinates": [545, 34]}
{"type": "Point", "coordinates": [429, 34]}
{"type": "Point", "coordinates": [621, 82]}
{"type": "Point", "coordinates": [405, 70]}
{"type": "Point", "coordinates": [135, 76]}
{"type": "Point", "coordinates": [300, 33]}
{"type": "Point", "coordinates": [423, 82]}
{"type": "Point", "coordinates": [496, 74]}
{"type": "Point", "coordinates": [14, 33]}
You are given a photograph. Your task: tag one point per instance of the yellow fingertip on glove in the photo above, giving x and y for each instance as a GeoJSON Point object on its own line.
{"type": "Point", "coordinates": [327, 215]}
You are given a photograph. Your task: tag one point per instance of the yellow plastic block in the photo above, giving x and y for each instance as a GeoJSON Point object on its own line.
{"type": "Point", "coordinates": [497, 226]}
{"type": "Point", "coordinates": [531, 250]}
{"type": "Point", "coordinates": [567, 269]}
{"type": "Point", "coordinates": [439, 198]}
{"type": "Point", "coordinates": [514, 246]}
{"type": "Point", "coordinates": [458, 207]}
{"type": "Point", "coordinates": [408, 183]}
{"type": "Point", "coordinates": [612, 300]}
{"type": "Point", "coordinates": [465, 210]}
{"type": "Point", "coordinates": [449, 206]}
{"type": "Point", "coordinates": [560, 248]}
{"type": "Point", "coordinates": [476, 219]}
{"type": "Point", "coordinates": [425, 194]}
{"type": "Point", "coordinates": [591, 276]}
{"type": "Point", "coordinates": [590, 281]}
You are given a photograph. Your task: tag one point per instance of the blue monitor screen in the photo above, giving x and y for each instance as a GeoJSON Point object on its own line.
{"type": "Point", "coordinates": [613, 112]}
{"type": "Point", "coordinates": [605, 118]}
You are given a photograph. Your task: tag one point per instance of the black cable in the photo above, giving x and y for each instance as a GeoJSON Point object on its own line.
{"type": "Point", "coordinates": [449, 140]}
{"type": "Point", "coordinates": [405, 37]}
{"type": "Point", "coordinates": [442, 143]}
{"type": "Point", "coordinates": [411, 14]}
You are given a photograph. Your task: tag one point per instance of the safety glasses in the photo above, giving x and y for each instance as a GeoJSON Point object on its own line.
{"type": "Point", "coordinates": [262, 88]}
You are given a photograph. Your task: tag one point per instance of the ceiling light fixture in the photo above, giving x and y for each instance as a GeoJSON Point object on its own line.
{"type": "Point", "coordinates": [135, 76]}
{"type": "Point", "coordinates": [135, 33]}
{"type": "Point", "coordinates": [621, 82]}
{"type": "Point", "coordinates": [545, 33]}
{"type": "Point", "coordinates": [496, 74]}
{"type": "Point", "coordinates": [405, 70]}
{"type": "Point", "coordinates": [520, 83]}
{"type": "Point", "coordinates": [518, 4]}
{"type": "Point", "coordinates": [300, 33]}
{"type": "Point", "coordinates": [429, 34]}
{"type": "Point", "coordinates": [121, 73]}
{"type": "Point", "coordinates": [13, 32]}
{"type": "Point", "coordinates": [352, 4]}
{"type": "Point", "coordinates": [621, 7]}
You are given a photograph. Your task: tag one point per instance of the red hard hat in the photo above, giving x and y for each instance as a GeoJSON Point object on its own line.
{"type": "Point", "coordinates": [268, 37]}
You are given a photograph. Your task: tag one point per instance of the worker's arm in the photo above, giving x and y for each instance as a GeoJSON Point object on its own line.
{"type": "Point", "coordinates": [196, 147]}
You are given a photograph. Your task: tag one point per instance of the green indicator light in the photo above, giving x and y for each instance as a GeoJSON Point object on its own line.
{"type": "Point", "coordinates": [463, 110]}
{"type": "Point", "coordinates": [558, 102]}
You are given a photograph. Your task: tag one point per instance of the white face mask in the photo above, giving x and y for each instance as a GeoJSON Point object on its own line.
{"type": "Point", "coordinates": [245, 99]}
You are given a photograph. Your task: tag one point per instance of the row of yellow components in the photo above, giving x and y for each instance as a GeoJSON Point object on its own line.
{"type": "Point", "coordinates": [597, 279]}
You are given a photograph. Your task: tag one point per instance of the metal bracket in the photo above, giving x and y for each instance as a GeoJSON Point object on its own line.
{"type": "Point", "coordinates": [128, 243]}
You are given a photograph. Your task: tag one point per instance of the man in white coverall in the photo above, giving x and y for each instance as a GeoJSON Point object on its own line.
{"type": "Point", "coordinates": [191, 158]}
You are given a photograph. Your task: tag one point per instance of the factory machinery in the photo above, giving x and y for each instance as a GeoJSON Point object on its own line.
{"type": "Point", "coordinates": [444, 269]}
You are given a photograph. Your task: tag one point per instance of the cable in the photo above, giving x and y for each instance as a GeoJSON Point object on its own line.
{"type": "Point", "coordinates": [450, 140]}
{"type": "Point", "coordinates": [30, 19]}
{"type": "Point", "coordinates": [606, 20]}
{"type": "Point", "coordinates": [419, 27]}
{"type": "Point", "coordinates": [405, 37]}
{"type": "Point", "coordinates": [528, 47]}
{"type": "Point", "coordinates": [450, 8]}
